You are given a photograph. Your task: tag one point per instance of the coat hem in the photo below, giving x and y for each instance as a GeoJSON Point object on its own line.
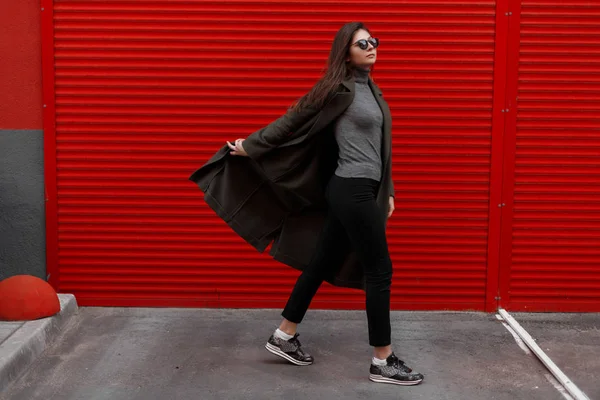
{"type": "Point", "coordinates": [258, 244]}
{"type": "Point", "coordinates": [294, 263]}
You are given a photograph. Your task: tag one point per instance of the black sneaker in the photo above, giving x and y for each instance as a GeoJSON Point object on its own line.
{"type": "Point", "coordinates": [395, 372]}
{"type": "Point", "coordinates": [291, 350]}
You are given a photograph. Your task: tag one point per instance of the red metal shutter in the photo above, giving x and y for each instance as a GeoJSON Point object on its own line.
{"type": "Point", "coordinates": [438, 77]}
{"type": "Point", "coordinates": [145, 92]}
{"type": "Point", "coordinates": [551, 237]}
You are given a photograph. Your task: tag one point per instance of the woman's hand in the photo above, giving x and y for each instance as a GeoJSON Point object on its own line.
{"type": "Point", "coordinates": [238, 148]}
{"type": "Point", "coordinates": [391, 207]}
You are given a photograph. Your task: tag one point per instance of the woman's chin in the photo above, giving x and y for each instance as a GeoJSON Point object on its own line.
{"type": "Point", "coordinates": [367, 64]}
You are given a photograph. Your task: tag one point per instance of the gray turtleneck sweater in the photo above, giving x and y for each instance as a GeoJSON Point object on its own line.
{"type": "Point", "coordinates": [358, 132]}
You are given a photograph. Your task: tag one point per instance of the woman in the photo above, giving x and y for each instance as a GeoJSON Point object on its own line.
{"type": "Point", "coordinates": [344, 112]}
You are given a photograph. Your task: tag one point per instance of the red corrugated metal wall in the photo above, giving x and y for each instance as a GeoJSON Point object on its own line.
{"type": "Point", "coordinates": [139, 94]}
{"type": "Point", "coordinates": [145, 92]}
{"type": "Point", "coordinates": [551, 225]}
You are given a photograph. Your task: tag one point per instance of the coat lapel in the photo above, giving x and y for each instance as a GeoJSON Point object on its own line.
{"type": "Point", "coordinates": [340, 101]}
{"type": "Point", "coordinates": [387, 126]}
{"type": "Point", "coordinates": [348, 84]}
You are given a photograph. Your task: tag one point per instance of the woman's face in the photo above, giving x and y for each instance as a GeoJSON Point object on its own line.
{"type": "Point", "coordinates": [359, 57]}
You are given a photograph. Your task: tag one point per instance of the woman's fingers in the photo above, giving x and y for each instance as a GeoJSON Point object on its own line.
{"type": "Point", "coordinates": [237, 149]}
{"type": "Point", "coordinates": [238, 145]}
{"type": "Point", "coordinates": [233, 148]}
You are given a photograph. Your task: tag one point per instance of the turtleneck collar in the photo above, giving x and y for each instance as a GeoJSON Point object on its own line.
{"type": "Point", "coordinates": [361, 75]}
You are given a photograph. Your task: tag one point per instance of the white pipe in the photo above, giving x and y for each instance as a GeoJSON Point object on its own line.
{"type": "Point", "coordinates": [561, 389]}
{"type": "Point", "coordinates": [520, 343]}
{"type": "Point", "coordinates": [553, 368]}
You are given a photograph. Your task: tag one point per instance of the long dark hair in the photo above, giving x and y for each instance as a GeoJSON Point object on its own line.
{"type": "Point", "coordinates": [337, 68]}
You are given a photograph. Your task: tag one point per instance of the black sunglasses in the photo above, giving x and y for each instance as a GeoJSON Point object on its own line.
{"type": "Point", "coordinates": [364, 43]}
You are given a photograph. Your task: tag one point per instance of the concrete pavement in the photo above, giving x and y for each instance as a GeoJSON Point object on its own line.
{"type": "Point", "coordinates": [120, 353]}
{"type": "Point", "coordinates": [22, 342]}
{"type": "Point", "coordinates": [572, 341]}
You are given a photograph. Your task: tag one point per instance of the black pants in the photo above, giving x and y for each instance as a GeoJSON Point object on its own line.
{"type": "Point", "coordinates": [353, 220]}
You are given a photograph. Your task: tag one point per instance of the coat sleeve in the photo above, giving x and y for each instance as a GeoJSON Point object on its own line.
{"type": "Point", "coordinates": [277, 132]}
{"type": "Point", "coordinates": [391, 179]}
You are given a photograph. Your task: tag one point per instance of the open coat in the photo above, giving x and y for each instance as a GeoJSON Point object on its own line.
{"type": "Point", "coordinates": [277, 194]}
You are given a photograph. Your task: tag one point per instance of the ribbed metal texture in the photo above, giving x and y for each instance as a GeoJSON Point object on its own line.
{"type": "Point", "coordinates": [556, 226]}
{"type": "Point", "coordinates": [147, 91]}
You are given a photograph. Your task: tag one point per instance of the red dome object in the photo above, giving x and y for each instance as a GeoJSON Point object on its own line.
{"type": "Point", "coordinates": [26, 297]}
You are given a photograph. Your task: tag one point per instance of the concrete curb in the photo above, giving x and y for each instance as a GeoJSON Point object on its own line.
{"type": "Point", "coordinates": [29, 340]}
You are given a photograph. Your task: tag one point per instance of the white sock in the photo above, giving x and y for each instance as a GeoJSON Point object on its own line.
{"type": "Point", "coordinates": [282, 335]}
{"type": "Point", "coordinates": [377, 361]}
